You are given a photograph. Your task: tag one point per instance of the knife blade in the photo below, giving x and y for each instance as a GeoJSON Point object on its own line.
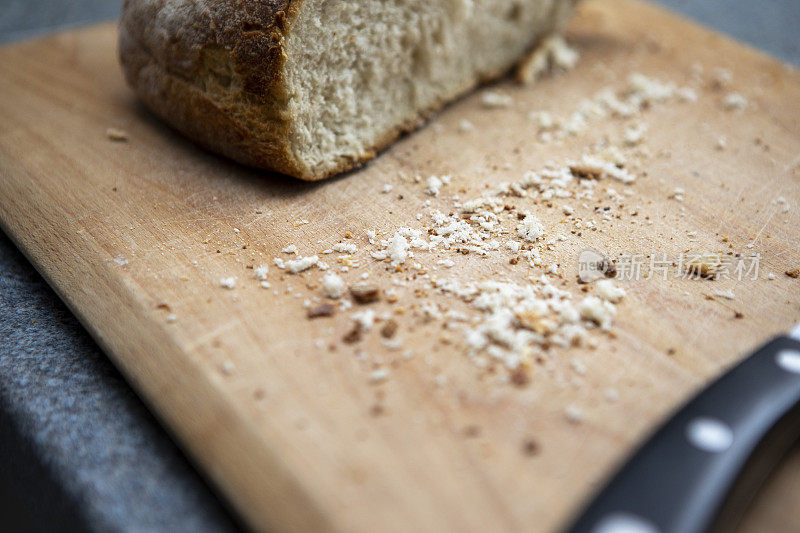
{"type": "Point", "coordinates": [700, 469]}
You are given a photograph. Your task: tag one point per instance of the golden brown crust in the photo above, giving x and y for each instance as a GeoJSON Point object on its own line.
{"type": "Point", "coordinates": [214, 70]}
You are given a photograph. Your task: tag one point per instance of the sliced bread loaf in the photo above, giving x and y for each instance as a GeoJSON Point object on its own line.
{"type": "Point", "coordinates": [311, 88]}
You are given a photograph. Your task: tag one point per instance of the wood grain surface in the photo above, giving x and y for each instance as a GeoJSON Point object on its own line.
{"type": "Point", "coordinates": [295, 434]}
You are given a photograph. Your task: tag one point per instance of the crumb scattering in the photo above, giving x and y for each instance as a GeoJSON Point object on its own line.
{"type": "Point", "coordinates": [483, 270]}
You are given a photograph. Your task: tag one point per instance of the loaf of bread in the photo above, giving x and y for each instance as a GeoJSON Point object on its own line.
{"type": "Point", "coordinates": [312, 88]}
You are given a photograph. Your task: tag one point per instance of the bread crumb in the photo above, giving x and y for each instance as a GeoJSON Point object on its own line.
{"type": "Point", "coordinates": [261, 272]}
{"type": "Point", "coordinates": [379, 376]}
{"type": "Point", "coordinates": [117, 135]}
{"type": "Point", "coordinates": [495, 100]}
{"type": "Point", "coordinates": [649, 89]}
{"type": "Point", "coordinates": [472, 431]}
{"type": "Point", "coordinates": [574, 414]}
{"type": "Point", "coordinates": [729, 295]}
{"type": "Point", "coordinates": [345, 248]}
{"type": "Point", "coordinates": [228, 283]}
{"type": "Point", "coordinates": [586, 171]}
{"type": "Point", "coordinates": [563, 56]}
{"type": "Point", "coordinates": [687, 94]}
{"type": "Point", "coordinates": [598, 311]}
{"type": "Point", "coordinates": [721, 78]}
{"type": "Point", "coordinates": [734, 102]}
{"type": "Point", "coordinates": [793, 273]}
{"type": "Point", "coordinates": [596, 167]}
{"type": "Point", "coordinates": [353, 336]}
{"type": "Point", "coordinates": [387, 188]}
{"type": "Point", "coordinates": [434, 186]}
{"type": "Point", "coordinates": [227, 368]}
{"type": "Point", "coordinates": [299, 265]}
{"type": "Point", "coordinates": [578, 367]}
{"type": "Point", "coordinates": [365, 293]}
{"type": "Point", "coordinates": [291, 249]}
{"type": "Point", "coordinates": [611, 394]}
{"type": "Point", "coordinates": [333, 286]}
{"type": "Point", "coordinates": [783, 203]}
{"type": "Point", "coordinates": [364, 319]}
{"type": "Point", "coordinates": [530, 447]}
{"type": "Point", "coordinates": [389, 329]}
{"type": "Point", "coordinates": [607, 290]}
{"type": "Point", "coordinates": [634, 135]}
{"type": "Point", "coordinates": [552, 52]}
{"type": "Point", "coordinates": [530, 229]}
{"type": "Point", "coordinates": [322, 310]}
{"type": "Point", "coordinates": [398, 249]}
{"type": "Point", "coordinates": [677, 194]}
{"type": "Point", "coordinates": [520, 376]}
{"type": "Point", "coordinates": [465, 126]}
{"type": "Point", "coordinates": [704, 268]}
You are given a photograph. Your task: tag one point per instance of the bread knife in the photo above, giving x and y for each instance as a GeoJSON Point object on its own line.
{"type": "Point", "coordinates": [700, 469]}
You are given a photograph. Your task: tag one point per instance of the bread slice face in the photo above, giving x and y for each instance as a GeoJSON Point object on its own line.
{"type": "Point", "coordinates": [312, 88]}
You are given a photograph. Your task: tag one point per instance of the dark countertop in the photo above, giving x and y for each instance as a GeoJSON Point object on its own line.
{"type": "Point", "coordinates": [79, 449]}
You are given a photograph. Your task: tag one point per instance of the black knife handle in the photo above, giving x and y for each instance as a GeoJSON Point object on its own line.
{"type": "Point", "coordinates": [699, 468]}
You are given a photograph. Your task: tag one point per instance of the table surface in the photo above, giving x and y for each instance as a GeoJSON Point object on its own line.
{"type": "Point", "coordinates": [81, 439]}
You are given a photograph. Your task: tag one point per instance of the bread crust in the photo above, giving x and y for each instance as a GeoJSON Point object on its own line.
{"type": "Point", "coordinates": [210, 68]}
{"type": "Point", "coordinates": [214, 70]}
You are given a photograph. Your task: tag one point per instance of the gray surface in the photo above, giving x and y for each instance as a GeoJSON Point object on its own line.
{"type": "Point", "coordinates": [79, 450]}
{"type": "Point", "coordinates": [81, 441]}
{"type": "Point", "coordinates": [23, 19]}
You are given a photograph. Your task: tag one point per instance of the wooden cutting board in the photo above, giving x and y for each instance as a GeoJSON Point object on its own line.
{"type": "Point", "coordinates": [296, 435]}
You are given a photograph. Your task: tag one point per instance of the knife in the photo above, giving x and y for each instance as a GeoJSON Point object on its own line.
{"type": "Point", "coordinates": [699, 471]}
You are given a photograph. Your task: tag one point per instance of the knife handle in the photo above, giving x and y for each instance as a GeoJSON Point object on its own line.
{"type": "Point", "coordinates": [701, 468]}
